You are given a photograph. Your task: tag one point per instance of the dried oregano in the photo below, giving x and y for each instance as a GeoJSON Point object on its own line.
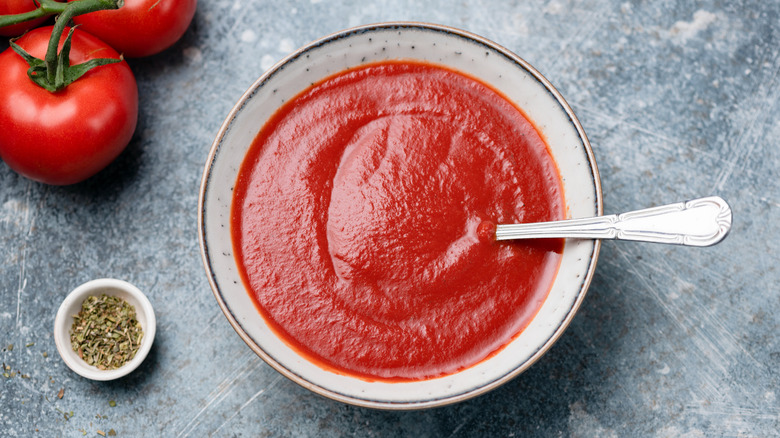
{"type": "Point", "coordinates": [106, 333]}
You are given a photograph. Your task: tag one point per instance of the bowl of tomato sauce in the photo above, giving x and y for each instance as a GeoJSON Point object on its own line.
{"type": "Point", "coordinates": [348, 207]}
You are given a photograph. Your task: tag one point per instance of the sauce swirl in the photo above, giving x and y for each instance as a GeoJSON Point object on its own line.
{"type": "Point", "coordinates": [363, 220]}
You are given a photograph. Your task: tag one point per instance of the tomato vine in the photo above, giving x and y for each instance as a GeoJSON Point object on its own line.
{"type": "Point", "coordinates": [45, 8]}
{"type": "Point", "coordinates": [54, 72]}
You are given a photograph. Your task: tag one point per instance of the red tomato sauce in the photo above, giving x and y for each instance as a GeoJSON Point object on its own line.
{"type": "Point", "coordinates": [363, 221]}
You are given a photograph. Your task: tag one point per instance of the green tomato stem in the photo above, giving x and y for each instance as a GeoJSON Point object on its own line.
{"type": "Point", "coordinates": [73, 9]}
{"type": "Point", "coordinates": [52, 7]}
{"type": "Point", "coordinates": [54, 72]}
{"type": "Point", "coordinates": [46, 8]}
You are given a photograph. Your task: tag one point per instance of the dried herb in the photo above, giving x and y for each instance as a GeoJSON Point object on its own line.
{"type": "Point", "coordinates": [106, 333]}
{"type": "Point", "coordinates": [66, 415]}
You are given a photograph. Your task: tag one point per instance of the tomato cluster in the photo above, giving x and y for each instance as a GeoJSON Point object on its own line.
{"type": "Point", "coordinates": [65, 136]}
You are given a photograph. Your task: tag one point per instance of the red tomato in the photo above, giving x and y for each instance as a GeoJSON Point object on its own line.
{"type": "Point", "coordinates": [11, 7]}
{"type": "Point", "coordinates": [140, 27]}
{"type": "Point", "coordinates": [65, 137]}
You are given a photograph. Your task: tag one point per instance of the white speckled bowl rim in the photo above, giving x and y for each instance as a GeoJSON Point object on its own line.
{"type": "Point", "coordinates": [459, 50]}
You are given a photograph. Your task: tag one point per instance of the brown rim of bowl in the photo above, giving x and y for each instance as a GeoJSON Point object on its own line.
{"type": "Point", "coordinates": [398, 405]}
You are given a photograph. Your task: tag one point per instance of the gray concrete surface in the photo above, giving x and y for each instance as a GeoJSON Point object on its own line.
{"type": "Point", "coordinates": [679, 99]}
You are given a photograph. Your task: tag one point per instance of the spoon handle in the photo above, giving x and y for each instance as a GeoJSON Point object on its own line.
{"type": "Point", "coordinates": [700, 222]}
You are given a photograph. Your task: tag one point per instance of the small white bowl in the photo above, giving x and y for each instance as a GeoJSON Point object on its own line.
{"type": "Point", "coordinates": [72, 305]}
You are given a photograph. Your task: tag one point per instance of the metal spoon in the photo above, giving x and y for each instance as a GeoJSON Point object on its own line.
{"type": "Point", "coordinates": [700, 222]}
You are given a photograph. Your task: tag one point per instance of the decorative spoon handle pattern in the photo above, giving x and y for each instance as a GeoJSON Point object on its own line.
{"type": "Point", "coordinates": [699, 222]}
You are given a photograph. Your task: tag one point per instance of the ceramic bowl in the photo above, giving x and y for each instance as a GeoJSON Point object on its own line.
{"type": "Point", "coordinates": [452, 48]}
{"type": "Point", "coordinates": [72, 305]}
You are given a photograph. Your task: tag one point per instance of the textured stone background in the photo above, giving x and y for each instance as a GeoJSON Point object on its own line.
{"type": "Point", "coordinates": [679, 99]}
